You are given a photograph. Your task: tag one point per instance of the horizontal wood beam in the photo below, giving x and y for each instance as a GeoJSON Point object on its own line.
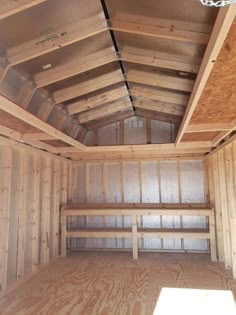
{"type": "Point", "coordinates": [207, 127]}
{"type": "Point", "coordinates": [222, 25]}
{"type": "Point", "coordinates": [158, 60]}
{"type": "Point", "coordinates": [7, 132]}
{"type": "Point", "coordinates": [104, 111]}
{"type": "Point", "coordinates": [37, 136]}
{"type": "Point", "coordinates": [148, 114]}
{"type": "Point", "coordinates": [61, 37]}
{"type": "Point", "coordinates": [81, 65]}
{"type": "Point", "coordinates": [16, 111]}
{"type": "Point", "coordinates": [160, 107]}
{"type": "Point", "coordinates": [10, 7]}
{"type": "Point", "coordinates": [88, 86]}
{"type": "Point", "coordinates": [222, 135]}
{"type": "Point", "coordinates": [159, 95]}
{"type": "Point", "coordinates": [159, 32]}
{"type": "Point", "coordinates": [109, 120]}
{"type": "Point", "coordinates": [95, 101]}
{"type": "Point", "coordinates": [160, 80]}
{"type": "Point", "coordinates": [129, 151]}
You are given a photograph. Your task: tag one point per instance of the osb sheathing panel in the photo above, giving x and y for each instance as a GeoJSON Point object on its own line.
{"type": "Point", "coordinates": [15, 124]}
{"type": "Point", "coordinates": [199, 136]}
{"type": "Point", "coordinates": [218, 100]}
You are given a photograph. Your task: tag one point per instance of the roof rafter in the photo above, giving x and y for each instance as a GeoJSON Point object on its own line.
{"type": "Point", "coordinates": [62, 37]}
{"type": "Point", "coordinates": [159, 31]}
{"type": "Point", "coordinates": [88, 86]}
{"type": "Point", "coordinates": [160, 80]}
{"type": "Point", "coordinates": [91, 102]}
{"type": "Point", "coordinates": [15, 110]}
{"type": "Point", "coordinates": [105, 110]}
{"type": "Point", "coordinates": [10, 7]}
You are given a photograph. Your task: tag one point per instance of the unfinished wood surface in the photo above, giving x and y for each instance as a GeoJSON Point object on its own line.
{"type": "Point", "coordinates": [30, 213]}
{"type": "Point", "coordinates": [222, 25]}
{"type": "Point", "coordinates": [121, 285]}
{"type": "Point", "coordinates": [217, 93]}
{"type": "Point", "coordinates": [199, 136]}
{"type": "Point", "coordinates": [9, 8]}
{"type": "Point", "coordinates": [222, 182]}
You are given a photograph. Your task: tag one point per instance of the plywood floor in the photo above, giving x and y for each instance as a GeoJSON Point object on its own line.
{"type": "Point", "coordinates": [112, 283]}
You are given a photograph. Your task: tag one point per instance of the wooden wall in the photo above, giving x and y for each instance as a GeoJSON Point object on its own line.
{"type": "Point", "coordinates": [222, 190]}
{"type": "Point", "coordinates": [135, 130]}
{"type": "Point", "coordinates": [33, 185]}
{"type": "Point", "coordinates": [151, 181]}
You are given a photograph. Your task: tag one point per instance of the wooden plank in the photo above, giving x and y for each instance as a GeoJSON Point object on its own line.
{"type": "Point", "coordinates": [159, 95]}
{"type": "Point", "coordinates": [61, 37]}
{"type": "Point", "coordinates": [158, 59]}
{"type": "Point", "coordinates": [111, 108]}
{"type": "Point", "coordinates": [64, 198]}
{"type": "Point", "coordinates": [231, 193]}
{"type": "Point", "coordinates": [109, 120]}
{"type": "Point", "coordinates": [5, 131]}
{"type": "Point", "coordinates": [174, 233]}
{"type": "Point", "coordinates": [88, 86]}
{"type": "Point", "coordinates": [153, 115]}
{"type": "Point", "coordinates": [224, 207]}
{"type": "Point", "coordinates": [207, 127]}
{"type": "Point", "coordinates": [36, 212]}
{"type": "Point", "coordinates": [159, 32]}
{"type": "Point", "coordinates": [11, 7]}
{"type": "Point", "coordinates": [37, 136]}
{"type": "Point", "coordinates": [6, 169]}
{"type": "Point", "coordinates": [212, 237]}
{"type": "Point", "coordinates": [160, 80]}
{"type": "Point", "coordinates": [15, 110]}
{"type": "Point", "coordinates": [45, 212]}
{"type": "Point", "coordinates": [92, 61]}
{"type": "Point", "coordinates": [56, 209]}
{"type": "Point", "coordinates": [97, 100]}
{"type": "Point", "coordinates": [134, 237]}
{"type": "Point", "coordinates": [100, 233]}
{"type": "Point", "coordinates": [161, 107]}
{"type": "Point", "coordinates": [222, 25]}
{"type": "Point", "coordinates": [21, 192]}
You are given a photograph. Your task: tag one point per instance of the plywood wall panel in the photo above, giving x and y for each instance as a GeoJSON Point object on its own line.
{"type": "Point", "coordinates": [29, 216]}
{"type": "Point", "coordinates": [222, 183]}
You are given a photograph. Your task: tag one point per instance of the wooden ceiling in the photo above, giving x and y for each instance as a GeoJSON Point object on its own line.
{"type": "Point", "coordinates": [82, 64]}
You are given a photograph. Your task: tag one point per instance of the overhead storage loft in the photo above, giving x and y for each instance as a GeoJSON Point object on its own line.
{"type": "Point", "coordinates": [117, 153]}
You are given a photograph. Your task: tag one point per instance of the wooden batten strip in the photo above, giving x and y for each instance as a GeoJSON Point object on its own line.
{"type": "Point", "coordinates": [6, 170]}
{"type": "Point", "coordinates": [21, 217]}
{"type": "Point", "coordinates": [45, 212]}
{"type": "Point", "coordinates": [36, 212]}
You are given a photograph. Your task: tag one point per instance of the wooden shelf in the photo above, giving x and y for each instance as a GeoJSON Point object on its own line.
{"type": "Point", "coordinates": [103, 233]}
{"type": "Point", "coordinates": [135, 210]}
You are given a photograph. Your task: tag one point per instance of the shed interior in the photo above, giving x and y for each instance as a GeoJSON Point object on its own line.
{"type": "Point", "coordinates": [117, 153]}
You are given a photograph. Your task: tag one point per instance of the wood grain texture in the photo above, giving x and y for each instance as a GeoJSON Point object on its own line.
{"type": "Point", "coordinates": [112, 284]}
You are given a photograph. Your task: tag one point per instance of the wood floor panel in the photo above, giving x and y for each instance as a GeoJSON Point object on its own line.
{"type": "Point", "coordinates": [91, 283]}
